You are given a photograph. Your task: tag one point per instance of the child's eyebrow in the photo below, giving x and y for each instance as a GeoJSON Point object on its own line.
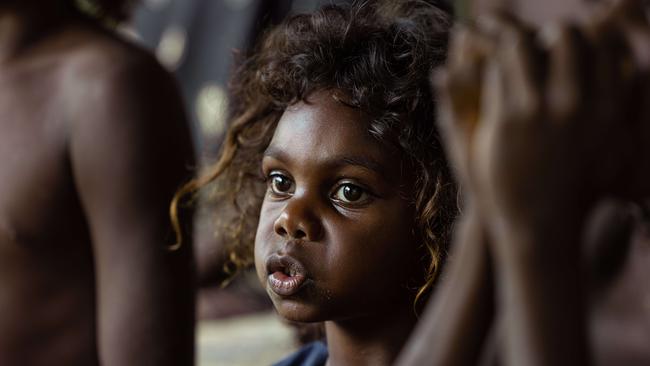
{"type": "Point", "coordinates": [361, 161]}
{"type": "Point", "coordinates": [336, 161]}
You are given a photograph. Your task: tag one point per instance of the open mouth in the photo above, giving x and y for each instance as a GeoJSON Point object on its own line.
{"type": "Point", "coordinates": [286, 275]}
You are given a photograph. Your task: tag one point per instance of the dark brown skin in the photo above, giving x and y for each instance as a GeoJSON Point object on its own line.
{"type": "Point", "coordinates": [535, 158]}
{"type": "Point", "coordinates": [93, 143]}
{"type": "Point", "coordinates": [536, 12]}
{"type": "Point", "coordinates": [358, 250]}
{"type": "Point", "coordinates": [464, 311]}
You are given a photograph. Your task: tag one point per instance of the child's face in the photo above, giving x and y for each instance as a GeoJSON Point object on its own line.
{"type": "Point", "coordinates": [335, 238]}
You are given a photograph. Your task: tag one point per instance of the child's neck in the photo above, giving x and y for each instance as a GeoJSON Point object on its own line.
{"type": "Point", "coordinates": [373, 340]}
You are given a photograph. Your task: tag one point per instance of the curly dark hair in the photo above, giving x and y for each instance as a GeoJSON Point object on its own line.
{"type": "Point", "coordinates": [379, 58]}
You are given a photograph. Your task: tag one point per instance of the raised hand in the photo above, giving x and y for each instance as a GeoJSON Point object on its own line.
{"type": "Point", "coordinates": [539, 129]}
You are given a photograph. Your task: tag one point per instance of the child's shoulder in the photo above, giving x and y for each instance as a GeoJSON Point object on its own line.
{"type": "Point", "coordinates": [312, 354]}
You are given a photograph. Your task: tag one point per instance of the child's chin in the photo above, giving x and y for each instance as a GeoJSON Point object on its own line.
{"type": "Point", "coordinates": [296, 311]}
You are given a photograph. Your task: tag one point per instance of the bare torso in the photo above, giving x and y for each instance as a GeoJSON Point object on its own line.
{"type": "Point", "coordinates": [46, 270]}
{"type": "Point", "coordinates": [48, 262]}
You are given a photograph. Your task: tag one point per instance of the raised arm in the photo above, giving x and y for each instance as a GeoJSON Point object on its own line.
{"type": "Point", "coordinates": [130, 151]}
{"type": "Point", "coordinates": [538, 131]}
{"type": "Point", "coordinates": [549, 107]}
{"type": "Point", "coordinates": [455, 325]}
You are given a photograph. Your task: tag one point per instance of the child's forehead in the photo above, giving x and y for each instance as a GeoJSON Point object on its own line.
{"type": "Point", "coordinates": [323, 120]}
{"type": "Point", "coordinates": [323, 127]}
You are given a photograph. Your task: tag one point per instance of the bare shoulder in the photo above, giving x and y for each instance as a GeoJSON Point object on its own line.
{"type": "Point", "coordinates": [104, 73]}
{"type": "Point", "coordinates": [110, 84]}
{"type": "Point", "coordinates": [97, 53]}
{"type": "Point", "coordinates": [122, 106]}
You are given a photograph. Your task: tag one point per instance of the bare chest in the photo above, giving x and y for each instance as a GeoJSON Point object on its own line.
{"type": "Point", "coordinates": [37, 192]}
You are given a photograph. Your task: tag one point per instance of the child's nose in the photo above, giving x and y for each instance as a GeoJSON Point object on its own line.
{"type": "Point", "coordinates": [298, 221]}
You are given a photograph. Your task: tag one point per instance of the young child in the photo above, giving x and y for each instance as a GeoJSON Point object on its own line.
{"type": "Point", "coordinates": [94, 144]}
{"type": "Point", "coordinates": [333, 169]}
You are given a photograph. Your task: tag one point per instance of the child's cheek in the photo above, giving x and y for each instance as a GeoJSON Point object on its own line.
{"type": "Point", "coordinates": [260, 266]}
{"type": "Point", "coordinates": [263, 237]}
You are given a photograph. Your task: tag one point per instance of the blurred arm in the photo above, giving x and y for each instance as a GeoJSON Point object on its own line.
{"type": "Point", "coordinates": [459, 315]}
{"type": "Point", "coordinates": [130, 150]}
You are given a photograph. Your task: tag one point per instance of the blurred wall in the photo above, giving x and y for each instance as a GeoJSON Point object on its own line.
{"type": "Point", "coordinates": [197, 40]}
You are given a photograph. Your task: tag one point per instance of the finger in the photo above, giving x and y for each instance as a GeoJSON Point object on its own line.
{"type": "Point", "coordinates": [456, 136]}
{"type": "Point", "coordinates": [458, 86]}
{"type": "Point", "coordinates": [615, 91]}
{"type": "Point", "coordinates": [495, 23]}
{"type": "Point", "coordinates": [463, 44]}
{"type": "Point", "coordinates": [464, 73]}
{"type": "Point", "coordinates": [492, 95]}
{"type": "Point", "coordinates": [520, 61]}
{"type": "Point", "coordinates": [632, 16]}
{"type": "Point", "coordinates": [607, 33]}
{"type": "Point", "coordinates": [567, 77]}
{"type": "Point", "coordinates": [631, 11]}
{"type": "Point", "coordinates": [621, 35]}
{"type": "Point", "coordinates": [612, 70]}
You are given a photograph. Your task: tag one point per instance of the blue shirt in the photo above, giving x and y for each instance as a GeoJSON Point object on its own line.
{"type": "Point", "coordinates": [312, 354]}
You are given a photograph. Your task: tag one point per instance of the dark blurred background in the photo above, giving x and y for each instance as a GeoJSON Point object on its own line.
{"type": "Point", "coordinates": [197, 40]}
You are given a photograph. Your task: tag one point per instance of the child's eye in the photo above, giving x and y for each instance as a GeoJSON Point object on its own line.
{"type": "Point", "coordinates": [280, 184]}
{"type": "Point", "coordinates": [350, 193]}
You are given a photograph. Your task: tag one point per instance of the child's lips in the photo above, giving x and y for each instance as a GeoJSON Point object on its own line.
{"type": "Point", "coordinates": [285, 285]}
{"type": "Point", "coordinates": [286, 275]}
